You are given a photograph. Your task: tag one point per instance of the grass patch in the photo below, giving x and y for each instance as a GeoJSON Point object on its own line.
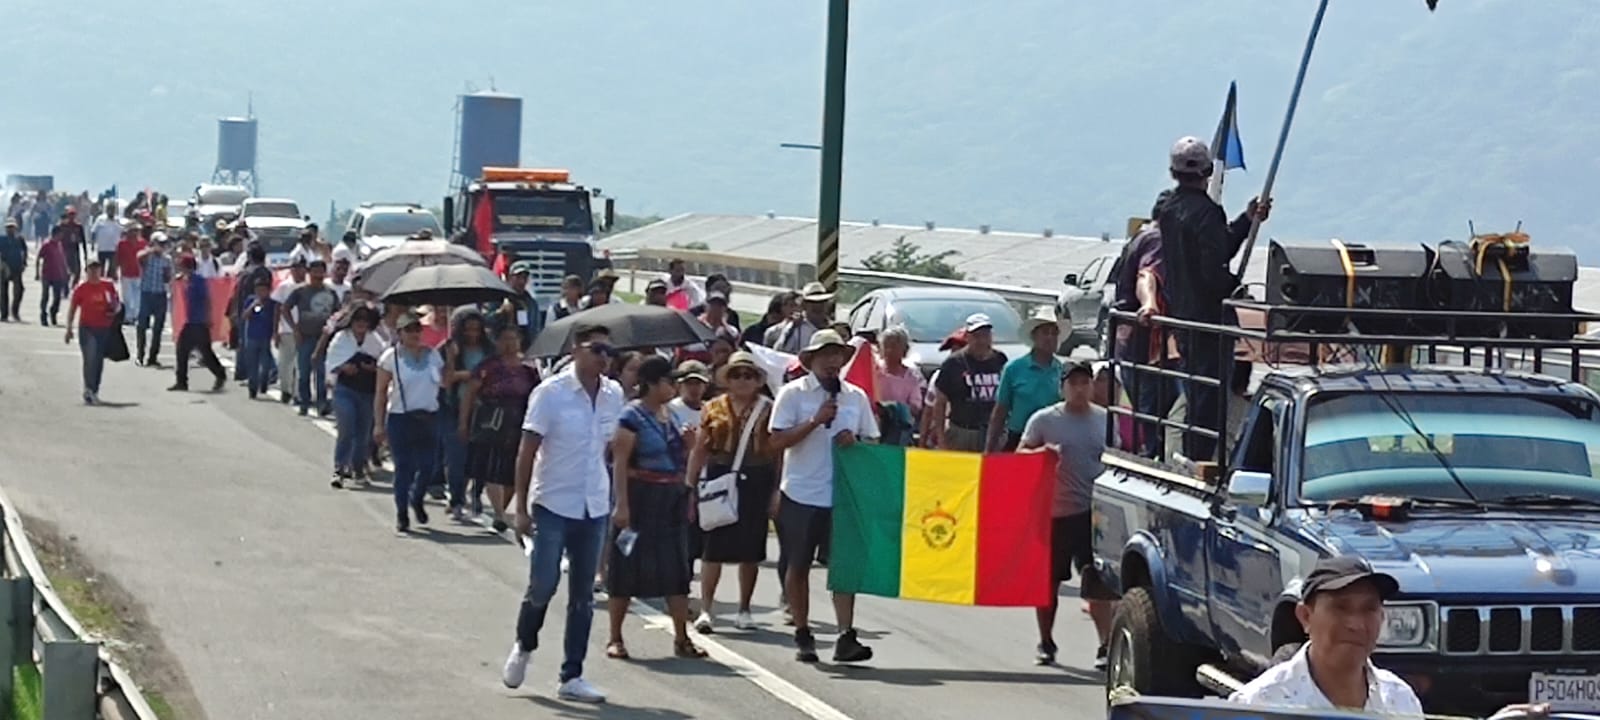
{"type": "Point", "coordinates": [28, 701]}
{"type": "Point", "coordinates": [97, 618]}
{"type": "Point", "coordinates": [629, 297]}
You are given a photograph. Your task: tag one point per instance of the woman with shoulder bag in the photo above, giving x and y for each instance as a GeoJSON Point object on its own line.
{"type": "Point", "coordinates": [409, 375]}
{"type": "Point", "coordinates": [490, 420]}
{"type": "Point", "coordinates": [352, 360]}
{"type": "Point", "coordinates": [734, 441]}
{"type": "Point", "coordinates": [649, 548]}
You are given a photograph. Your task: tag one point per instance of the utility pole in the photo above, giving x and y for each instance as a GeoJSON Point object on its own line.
{"type": "Point", "coordinates": [832, 146]}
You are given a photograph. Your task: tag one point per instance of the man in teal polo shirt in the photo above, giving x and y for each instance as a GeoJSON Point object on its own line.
{"type": "Point", "coordinates": [1027, 384]}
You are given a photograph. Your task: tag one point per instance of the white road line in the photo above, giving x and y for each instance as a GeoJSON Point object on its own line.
{"type": "Point", "coordinates": [784, 691]}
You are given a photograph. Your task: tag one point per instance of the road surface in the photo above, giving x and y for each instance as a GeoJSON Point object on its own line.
{"type": "Point", "coordinates": [283, 598]}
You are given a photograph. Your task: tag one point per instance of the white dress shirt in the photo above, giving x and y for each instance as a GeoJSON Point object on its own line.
{"type": "Point", "coordinates": [570, 477]}
{"type": "Point", "coordinates": [1289, 685]}
{"type": "Point", "coordinates": [808, 466]}
{"type": "Point", "coordinates": [106, 234]}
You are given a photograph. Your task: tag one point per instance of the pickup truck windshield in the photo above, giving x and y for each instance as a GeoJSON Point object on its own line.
{"type": "Point", "coordinates": [223, 196]}
{"type": "Point", "coordinates": [401, 223]}
{"type": "Point", "coordinates": [562, 212]}
{"type": "Point", "coordinates": [1500, 446]}
{"type": "Point", "coordinates": [271, 208]}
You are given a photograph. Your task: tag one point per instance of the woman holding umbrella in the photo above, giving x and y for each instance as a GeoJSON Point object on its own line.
{"type": "Point", "coordinates": [408, 384]}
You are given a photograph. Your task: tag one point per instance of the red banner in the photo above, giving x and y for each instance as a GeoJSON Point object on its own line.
{"type": "Point", "coordinates": [221, 290]}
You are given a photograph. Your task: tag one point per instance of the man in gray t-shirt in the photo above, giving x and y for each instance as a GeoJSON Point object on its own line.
{"type": "Point", "coordinates": [1075, 429]}
{"type": "Point", "coordinates": [307, 309]}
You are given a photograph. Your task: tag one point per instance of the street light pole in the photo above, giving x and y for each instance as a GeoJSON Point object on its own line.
{"type": "Point", "coordinates": [832, 146]}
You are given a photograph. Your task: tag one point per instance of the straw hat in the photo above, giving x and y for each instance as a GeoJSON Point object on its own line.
{"type": "Point", "coordinates": [740, 360]}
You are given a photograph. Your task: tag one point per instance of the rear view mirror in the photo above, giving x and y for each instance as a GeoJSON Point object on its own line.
{"type": "Point", "coordinates": [1070, 279]}
{"type": "Point", "coordinates": [1249, 488]}
{"type": "Point", "coordinates": [611, 213]}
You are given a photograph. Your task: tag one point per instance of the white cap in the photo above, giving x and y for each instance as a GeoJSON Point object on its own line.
{"type": "Point", "coordinates": [978, 321]}
{"type": "Point", "coordinates": [1190, 155]}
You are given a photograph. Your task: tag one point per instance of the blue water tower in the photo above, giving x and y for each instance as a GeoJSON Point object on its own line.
{"type": "Point", "coordinates": [489, 133]}
{"type": "Point", "coordinates": [236, 153]}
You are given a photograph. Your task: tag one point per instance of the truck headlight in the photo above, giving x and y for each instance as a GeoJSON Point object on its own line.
{"type": "Point", "coordinates": [1404, 626]}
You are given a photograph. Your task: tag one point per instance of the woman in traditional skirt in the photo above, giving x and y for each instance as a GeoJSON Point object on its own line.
{"type": "Point", "coordinates": [722, 424]}
{"type": "Point", "coordinates": [500, 386]}
{"type": "Point", "coordinates": [649, 543]}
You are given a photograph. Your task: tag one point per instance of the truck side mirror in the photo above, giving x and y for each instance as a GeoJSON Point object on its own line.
{"type": "Point", "coordinates": [611, 213]}
{"type": "Point", "coordinates": [449, 216]}
{"type": "Point", "coordinates": [1249, 488]}
{"type": "Point", "coordinates": [1070, 279]}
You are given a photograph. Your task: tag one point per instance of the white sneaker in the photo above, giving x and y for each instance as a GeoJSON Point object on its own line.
{"type": "Point", "coordinates": [743, 621]}
{"type": "Point", "coordinates": [702, 624]}
{"type": "Point", "coordinates": [565, 564]}
{"type": "Point", "coordinates": [516, 669]}
{"type": "Point", "coordinates": [579, 690]}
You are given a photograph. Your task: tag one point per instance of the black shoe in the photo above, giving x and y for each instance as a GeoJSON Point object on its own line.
{"type": "Point", "coordinates": [421, 513]}
{"type": "Point", "coordinates": [1046, 654]}
{"type": "Point", "coordinates": [305, 411]}
{"type": "Point", "coordinates": [499, 525]}
{"type": "Point", "coordinates": [1100, 659]}
{"type": "Point", "coordinates": [252, 394]}
{"type": "Point", "coordinates": [284, 398]}
{"type": "Point", "coordinates": [220, 382]}
{"type": "Point", "coordinates": [436, 492]}
{"type": "Point", "coordinates": [402, 524]}
{"type": "Point", "coordinates": [848, 649]}
{"type": "Point", "coordinates": [152, 362]}
{"type": "Point", "coordinates": [180, 387]}
{"type": "Point", "coordinates": [805, 646]}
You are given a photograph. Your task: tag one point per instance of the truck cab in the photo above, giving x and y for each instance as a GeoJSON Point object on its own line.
{"type": "Point", "coordinates": [536, 215]}
{"type": "Point", "coordinates": [1477, 488]}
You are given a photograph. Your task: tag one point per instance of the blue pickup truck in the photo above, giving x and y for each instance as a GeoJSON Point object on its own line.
{"type": "Point", "coordinates": [1479, 490]}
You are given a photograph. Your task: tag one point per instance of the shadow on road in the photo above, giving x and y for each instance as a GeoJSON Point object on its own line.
{"type": "Point", "coordinates": [109, 405]}
{"type": "Point", "coordinates": [930, 677]}
{"type": "Point", "coordinates": [606, 711]}
{"type": "Point", "coordinates": [682, 666]}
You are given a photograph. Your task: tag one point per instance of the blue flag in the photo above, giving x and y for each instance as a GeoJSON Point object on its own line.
{"type": "Point", "coordinates": [1226, 147]}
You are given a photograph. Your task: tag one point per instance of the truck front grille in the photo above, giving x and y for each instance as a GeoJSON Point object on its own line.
{"type": "Point", "coordinates": [1516, 629]}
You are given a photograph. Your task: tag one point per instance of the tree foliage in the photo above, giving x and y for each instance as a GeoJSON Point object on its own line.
{"type": "Point", "coordinates": [907, 258]}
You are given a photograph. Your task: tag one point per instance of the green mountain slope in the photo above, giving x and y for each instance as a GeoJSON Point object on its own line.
{"type": "Point", "coordinates": [1024, 114]}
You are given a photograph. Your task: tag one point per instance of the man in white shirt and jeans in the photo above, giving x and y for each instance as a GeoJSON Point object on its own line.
{"type": "Point", "coordinates": [563, 500]}
{"type": "Point", "coordinates": [810, 417]}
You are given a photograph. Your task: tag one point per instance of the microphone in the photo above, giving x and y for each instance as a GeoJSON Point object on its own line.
{"type": "Point", "coordinates": [832, 385]}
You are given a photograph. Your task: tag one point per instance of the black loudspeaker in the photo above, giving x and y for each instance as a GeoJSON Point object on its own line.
{"type": "Point", "coordinates": [1336, 274]}
{"type": "Point", "coordinates": [1506, 278]}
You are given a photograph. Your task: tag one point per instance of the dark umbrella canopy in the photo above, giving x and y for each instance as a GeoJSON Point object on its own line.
{"type": "Point", "coordinates": [630, 326]}
{"type": "Point", "coordinates": [379, 273]}
{"type": "Point", "coordinates": [448, 285]}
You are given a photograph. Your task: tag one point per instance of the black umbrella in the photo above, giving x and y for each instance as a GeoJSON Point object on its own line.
{"type": "Point", "coordinates": [448, 285]}
{"type": "Point", "coordinates": [630, 326]}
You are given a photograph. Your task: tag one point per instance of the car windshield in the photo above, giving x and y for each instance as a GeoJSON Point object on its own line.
{"type": "Point", "coordinates": [566, 212]}
{"type": "Point", "coordinates": [1498, 445]}
{"type": "Point", "coordinates": [223, 196]}
{"type": "Point", "coordinates": [401, 223]}
{"type": "Point", "coordinates": [271, 208]}
{"type": "Point", "coordinates": [931, 319]}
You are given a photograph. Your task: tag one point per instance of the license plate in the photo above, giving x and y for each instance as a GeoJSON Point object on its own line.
{"type": "Point", "coordinates": [1565, 693]}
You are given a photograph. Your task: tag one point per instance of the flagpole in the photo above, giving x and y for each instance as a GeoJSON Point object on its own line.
{"type": "Point", "coordinates": [1283, 135]}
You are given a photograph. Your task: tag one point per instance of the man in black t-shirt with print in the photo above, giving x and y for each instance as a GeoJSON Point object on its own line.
{"type": "Point", "coordinates": [968, 381]}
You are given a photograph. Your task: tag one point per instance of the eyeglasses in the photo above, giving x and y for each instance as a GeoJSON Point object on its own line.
{"type": "Point", "coordinates": [599, 348]}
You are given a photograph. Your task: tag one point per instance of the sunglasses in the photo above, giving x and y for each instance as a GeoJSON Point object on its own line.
{"type": "Point", "coordinates": [600, 348]}
{"type": "Point", "coordinates": [743, 375]}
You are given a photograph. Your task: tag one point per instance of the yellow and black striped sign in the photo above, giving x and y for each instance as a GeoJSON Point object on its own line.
{"type": "Point", "coordinates": [828, 260]}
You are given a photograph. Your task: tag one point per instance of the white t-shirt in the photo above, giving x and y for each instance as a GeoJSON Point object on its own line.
{"type": "Point", "coordinates": [280, 295]}
{"type": "Point", "coordinates": [106, 234]}
{"type": "Point", "coordinates": [207, 267]}
{"type": "Point", "coordinates": [345, 252]}
{"type": "Point", "coordinates": [340, 289]}
{"type": "Point", "coordinates": [300, 251]}
{"type": "Point", "coordinates": [685, 416]}
{"type": "Point", "coordinates": [413, 386]}
{"type": "Point", "coordinates": [808, 466]}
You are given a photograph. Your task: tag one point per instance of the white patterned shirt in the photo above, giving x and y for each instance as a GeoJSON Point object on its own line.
{"type": "Point", "coordinates": [1289, 685]}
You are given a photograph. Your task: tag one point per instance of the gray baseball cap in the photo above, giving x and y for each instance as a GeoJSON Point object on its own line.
{"type": "Point", "coordinates": [1190, 155]}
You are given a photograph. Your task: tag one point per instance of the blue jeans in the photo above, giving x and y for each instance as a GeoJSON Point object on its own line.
{"type": "Point", "coordinates": [255, 362]}
{"type": "Point", "coordinates": [50, 301]}
{"type": "Point", "coordinates": [92, 343]}
{"type": "Point", "coordinates": [581, 541]}
{"type": "Point", "coordinates": [453, 455]}
{"type": "Point", "coordinates": [152, 316]}
{"type": "Point", "coordinates": [308, 372]}
{"type": "Point", "coordinates": [412, 444]}
{"type": "Point", "coordinates": [352, 414]}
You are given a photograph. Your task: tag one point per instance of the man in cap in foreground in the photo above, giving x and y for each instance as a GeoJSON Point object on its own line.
{"type": "Point", "coordinates": [795, 333]}
{"type": "Point", "coordinates": [968, 381]}
{"type": "Point", "coordinates": [1197, 245]}
{"type": "Point", "coordinates": [655, 293]}
{"type": "Point", "coordinates": [524, 309]}
{"type": "Point", "coordinates": [811, 416]}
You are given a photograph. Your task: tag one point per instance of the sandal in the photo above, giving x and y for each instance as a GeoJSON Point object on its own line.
{"type": "Point", "coordinates": [686, 648]}
{"type": "Point", "coordinates": [617, 651]}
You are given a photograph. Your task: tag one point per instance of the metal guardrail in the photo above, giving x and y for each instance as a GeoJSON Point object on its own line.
{"type": "Point", "coordinates": [80, 679]}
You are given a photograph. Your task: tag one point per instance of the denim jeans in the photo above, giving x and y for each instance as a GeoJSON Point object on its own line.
{"type": "Point", "coordinates": [152, 316]}
{"type": "Point", "coordinates": [255, 360]}
{"type": "Point", "coordinates": [352, 414]}
{"type": "Point", "coordinates": [92, 343]}
{"type": "Point", "coordinates": [581, 541]}
{"type": "Point", "coordinates": [11, 295]}
{"type": "Point", "coordinates": [412, 444]}
{"type": "Point", "coordinates": [309, 372]}
{"type": "Point", "coordinates": [50, 296]}
{"type": "Point", "coordinates": [453, 455]}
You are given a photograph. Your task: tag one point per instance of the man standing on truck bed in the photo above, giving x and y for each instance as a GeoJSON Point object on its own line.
{"type": "Point", "coordinates": [1197, 245]}
{"type": "Point", "coordinates": [1075, 429]}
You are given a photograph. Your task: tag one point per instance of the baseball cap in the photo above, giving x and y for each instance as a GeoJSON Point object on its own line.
{"type": "Point", "coordinates": [1190, 155]}
{"type": "Point", "coordinates": [1078, 366]}
{"type": "Point", "coordinates": [407, 319]}
{"type": "Point", "coordinates": [976, 322]}
{"type": "Point", "coordinates": [522, 267]}
{"type": "Point", "coordinates": [717, 296]}
{"type": "Point", "coordinates": [693, 370]}
{"type": "Point", "coordinates": [1342, 571]}
{"type": "Point", "coordinates": [656, 284]}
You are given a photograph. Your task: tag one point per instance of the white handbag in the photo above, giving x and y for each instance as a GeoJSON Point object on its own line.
{"type": "Point", "coordinates": [718, 497]}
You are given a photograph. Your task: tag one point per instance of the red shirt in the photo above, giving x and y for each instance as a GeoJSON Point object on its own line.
{"type": "Point", "coordinates": [128, 250]}
{"type": "Point", "coordinates": [97, 303]}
